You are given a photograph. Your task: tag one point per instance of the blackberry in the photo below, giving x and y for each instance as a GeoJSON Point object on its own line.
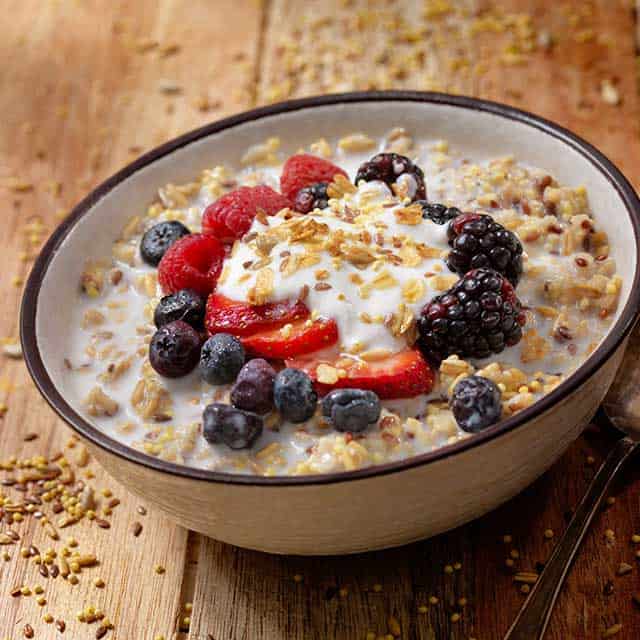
{"type": "Point", "coordinates": [186, 304]}
{"type": "Point", "coordinates": [174, 349]}
{"type": "Point", "coordinates": [312, 197]}
{"type": "Point", "coordinates": [478, 316]}
{"type": "Point", "coordinates": [390, 169]}
{"type": "Point", "coordinates": [159, 238]}
{"type": "Point", "coordinates": [438, 213]}
{"type": "Point", "coordinates": [477, 241]}
{"type": "Point", "coordinates": [476, 403]}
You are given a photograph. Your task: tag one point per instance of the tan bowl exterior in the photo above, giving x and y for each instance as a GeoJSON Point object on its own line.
{"type": "Point", "coordinates": [376, 512]}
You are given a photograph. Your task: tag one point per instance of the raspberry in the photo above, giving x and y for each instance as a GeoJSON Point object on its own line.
{"type": "Point", "coordinates": [476, 403]}
{"type": "Point", "coordinates": [231, 215]}
{"type": "Point", "coordinates": [193, 262]}
{"type": "Point", "coordinates": [392, 168]}
{"type": "Point", "coordinates": [478, 316]}
{"type": "Point", "coordinates": [477, 241]}
{"type": "Point", "coordinates": [304, 170]}
{"type": "Point", "coordinates": [312, 197]}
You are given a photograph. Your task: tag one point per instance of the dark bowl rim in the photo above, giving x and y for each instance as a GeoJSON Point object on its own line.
{"type": "Point", "coordinates": [613, 339]}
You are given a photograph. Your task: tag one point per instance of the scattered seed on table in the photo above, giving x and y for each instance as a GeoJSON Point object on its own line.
{"type": "Point", "coordinates": [624, 568]}
{"type": "Point", "coordinates": [136, 529]}
{"type": "Point", "coordinates": [61, 626]}
{"type": "Point", "coordinates": [141, 510]}
{"type": "Point", "coordinates": [548, 534]}
{"type": "Point", "coordinates": [28, 631]}
{"type": "Point", "coordinates": [29, 437]}
{"type": "Point", "coordinates": [103, 524]}
{"type": "Point", "coordinates": [48, 618]}
{"type": "Point", "coordinates": [101, 632]}
{"type": "Point", "coordinates": [635, 538]}
{"type": "Point", "coordinates": [159, 569]}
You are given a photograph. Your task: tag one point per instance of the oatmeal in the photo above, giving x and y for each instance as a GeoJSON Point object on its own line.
{"type": "Point", "coordinates": [334, 310]}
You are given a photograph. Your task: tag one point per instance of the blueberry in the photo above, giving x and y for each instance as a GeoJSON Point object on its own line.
{"type": "Point", "coordinates": [221, 359]}
{"type": "Point", "coordinates": [253, 390]}
{"type": "Point", "coordinates": [159, 238]}
{"type": "Point", "coordinates": [294, 395]}
{"type": "Point", "coordinates": [476, 403]}
{"type": "Point", "coordinates": [223, 424]}
{"type": "Point", "coordinates": [351, 409]}
{"type": "Point", "coordinates": [174, 350]}
{"type": "Point", "coordinates": [185, 305]}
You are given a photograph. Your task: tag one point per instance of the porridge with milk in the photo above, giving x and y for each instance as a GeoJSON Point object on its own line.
{"type": "Point", "coordinates": [360, 302]}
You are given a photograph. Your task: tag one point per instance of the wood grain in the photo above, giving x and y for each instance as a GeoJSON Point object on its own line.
{"type": "Point", "coordinates": [80, 97]}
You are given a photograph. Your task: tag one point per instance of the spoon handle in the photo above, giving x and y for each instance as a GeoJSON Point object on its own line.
{"type": "Point", "coordinates": [533, 618]}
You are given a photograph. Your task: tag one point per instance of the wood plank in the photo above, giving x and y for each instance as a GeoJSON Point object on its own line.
{"type": "Point", "coordinates": [481, 49]}
{"type": "Point", "coordinates": [87, 87]}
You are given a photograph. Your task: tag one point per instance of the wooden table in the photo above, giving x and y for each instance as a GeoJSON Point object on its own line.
{"type": "Point", "coordinates": [86, 86]}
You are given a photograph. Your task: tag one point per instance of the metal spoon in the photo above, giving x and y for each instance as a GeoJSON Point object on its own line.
{"type": "Point", "coordinates": [621, 412]}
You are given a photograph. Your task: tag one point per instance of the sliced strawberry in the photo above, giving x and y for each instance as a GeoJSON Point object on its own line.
{"type": "Point", "coordinates": [242, 319]}
{"type": "Point", "coordinates": [402, 375]}
{"type": "Point", "coordinates": [303, 170]}
{"type": "Point", "coordinates": [293, 339]}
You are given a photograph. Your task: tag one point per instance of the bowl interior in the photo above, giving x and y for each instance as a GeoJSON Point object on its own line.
{"type": "Point", "coordinates": [480, 133]}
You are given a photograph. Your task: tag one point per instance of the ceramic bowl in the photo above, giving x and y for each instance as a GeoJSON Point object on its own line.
{"type": "Point", "coordinates": [380, 506]}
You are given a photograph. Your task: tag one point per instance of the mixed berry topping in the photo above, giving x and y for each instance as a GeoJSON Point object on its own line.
{"type": "Point", "coordinates": [478, 316]}
{"type": "Point", "coordinates": [193, 262]}
{"type": "Point", "coordinates": [253, 389]}
{"type": "Point", "coordinates": [312, 197]}
{"type": "Point", "coordinates": [186, 304]}
{"type": "Point", "coordinates": [352, 410]}
{"type": "Point", "coordinates": [159, 238]}
{"type": "Point", "coordinates": [394, 169]}
{"type": "Point", "coordinates": [477, 241]}
{"type": "Point", "coordinates": [294, 395]}
{"type": "Point", "coordinates": [304, 170]}
{"type": "Point", "coordinates": [221, 359]}
{"type": "Point", "coordinates": [476, 403]}
{"type": "Point", "coordinates": [438, 213]}
{"type": "Point", "coordinates": [174, 349]}
{"type": "Point", "coordinates": [222, 424]}
{"type": "Point", "coordinates": [231, 215]}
